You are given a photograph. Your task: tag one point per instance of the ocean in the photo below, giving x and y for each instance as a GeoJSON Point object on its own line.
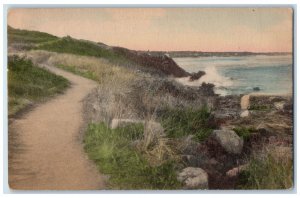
{"type": "Point", "coordinates": [242, 74]}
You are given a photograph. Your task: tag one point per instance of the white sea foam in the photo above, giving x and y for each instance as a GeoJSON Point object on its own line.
{"type": "Point", "coordinates": [241, 75]}
{"type": "Point", "coordinates": [211, 76]}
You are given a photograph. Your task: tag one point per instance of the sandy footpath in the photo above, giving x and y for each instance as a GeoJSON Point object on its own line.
{"type": "Point", "coordinates": [45, 151]}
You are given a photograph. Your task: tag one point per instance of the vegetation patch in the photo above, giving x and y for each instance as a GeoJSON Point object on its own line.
{"type": "Point", "coordinates": [244, 132]}
{"type": "Point", "coordinates": [26, 36]}
{"type": "Point", "coordinates": [259, 107]}
{"type": "Point", "coordinates": [28, 83]}
{"type": "Point", "coordinates": [179, 122]}
{"type": "Point", "coordinates": [81, 72]}
{"type": "Point", "coordinates": [112, 152]}
{"type": "Point", "coordinates": [267, 173]}
{"type": "Point", "coordinates": [78, 47]}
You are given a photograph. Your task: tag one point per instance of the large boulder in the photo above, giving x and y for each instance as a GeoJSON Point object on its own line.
{"type": "Point", "coordinates": [193, 178]}
{"type": "Point", "coordinates": [229, 140]}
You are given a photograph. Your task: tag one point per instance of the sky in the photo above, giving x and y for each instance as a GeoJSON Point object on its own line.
{"type": "Point", "coordinates": [166, 29]}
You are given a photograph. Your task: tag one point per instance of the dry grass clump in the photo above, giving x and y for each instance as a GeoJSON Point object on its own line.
{"type": "Point", "coordinates": [161, 151]}
{"type": "Point", "coordinates": [155, 146]}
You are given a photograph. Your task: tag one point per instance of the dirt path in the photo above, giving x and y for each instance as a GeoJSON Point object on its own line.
{"type": "Point", "coordinates": [45, 151]}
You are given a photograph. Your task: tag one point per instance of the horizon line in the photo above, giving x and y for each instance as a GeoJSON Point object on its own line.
{"type": "Point", "coordinates": [199, 51]}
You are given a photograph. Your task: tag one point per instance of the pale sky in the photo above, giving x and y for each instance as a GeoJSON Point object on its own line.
{"type": "Point", "coordinates": [199, 29]}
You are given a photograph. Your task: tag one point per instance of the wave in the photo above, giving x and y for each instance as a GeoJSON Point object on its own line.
{"type": "Point", "coordinates": [211, 76]}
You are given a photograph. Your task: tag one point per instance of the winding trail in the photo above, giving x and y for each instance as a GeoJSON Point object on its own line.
{"type": "Point", "coordinates": [45, 150]}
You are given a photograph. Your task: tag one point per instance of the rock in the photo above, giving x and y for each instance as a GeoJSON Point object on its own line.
{"type": "Point", "coordinates": [207, 89]}
{"type": "Point", "coordinates": [244, 114]}
{"type": "Point", "coordinates": [213, 161]}
{"type": "Point", "coordinates": [229, 140]}
{"type": "Point", "coordinates": [245, 102]}
{"type": "Point", "coordinates": [279, 105]}
{"type": "Point", "coordinates": [193, 178]}
{"type": "Point", "coordinates": [256, 89]}
{"type": "Point", "coordinates": [235, 171]}
{"type": "Point", "coordinates": [196, 76]}
{"type": "Point", "coordinates": [115, 123]}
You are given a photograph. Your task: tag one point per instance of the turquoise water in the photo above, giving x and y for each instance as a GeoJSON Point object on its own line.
{"type": "Point", "coordinates": [244, 74]}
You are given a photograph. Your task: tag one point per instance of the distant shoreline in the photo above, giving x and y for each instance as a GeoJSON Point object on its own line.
{"type": "Point", "coordinates": [193, 54]}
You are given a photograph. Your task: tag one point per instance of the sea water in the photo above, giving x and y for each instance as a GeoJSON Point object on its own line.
{"type": "Point", "coordinates": [242, 74]}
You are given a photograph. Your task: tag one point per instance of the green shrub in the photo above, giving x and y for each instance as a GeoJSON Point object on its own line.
{"type": "Point", "coordinates": [111, 150]}
{"type": "Point", "coordinates": [182, 122]}
{"type": "Point", "coordinates": [28, 83]}
{"type": "Point", "coordinates": [267, 173]}
{"type": "Point", "coordinates": [244, 132]}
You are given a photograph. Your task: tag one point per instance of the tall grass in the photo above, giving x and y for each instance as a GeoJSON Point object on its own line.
{"type": "Point", "coordinates": [98, 69]}
{"type": "Point", "coordinates": [179, 122]}
{"type": "Point", "coordinates": [111, 151]}
{"type": "Point", "coordinates": [267, 172]}
{"type": "Point", "coordinates": [28, 83]}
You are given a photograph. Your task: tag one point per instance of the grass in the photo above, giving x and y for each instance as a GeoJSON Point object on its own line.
{"type": "Point", "coordinates": [181, 122]}
{"type": "Point", "coordinates": [98, 69]}
{"type": "Point", "coordinates": [259, 107]}
{"type": "Point", "coordinates": [268, 173]}
{"type": "Point", "coordinates": [78, 47]}
{"type": "Point", "coordinates": [26, 36]}
{"type": "Point", "coordinates": [85, 73]}
{"type": "Point", "coordinates": [28, 83]}
{"type": "Point", "coordinates": [244, 132]}
{"type": "Point", "coordinates": [111, 151]}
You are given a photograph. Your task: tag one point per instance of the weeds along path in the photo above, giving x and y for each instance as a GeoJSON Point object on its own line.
{"type": "Point", "coordinates": [45, 150]}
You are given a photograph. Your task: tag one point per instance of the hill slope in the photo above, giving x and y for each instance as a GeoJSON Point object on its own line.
{"type": "Point", "coordinates": [24, 39]}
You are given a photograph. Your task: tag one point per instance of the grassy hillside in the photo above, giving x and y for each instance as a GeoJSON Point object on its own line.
{"type": "Point", "coordinates": [28, 84]}
{"type": "Point", "coordinates": [24, 39]}
{"type": "Point", "coordinates": [26, 36]}
{"type": "Point", "coordinates": [78, 47]}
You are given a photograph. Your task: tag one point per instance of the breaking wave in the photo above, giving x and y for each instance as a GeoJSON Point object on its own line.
{"type": "Point", "coordinates": [211, 76]}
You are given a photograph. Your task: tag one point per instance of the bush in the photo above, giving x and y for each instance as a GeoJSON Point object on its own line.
{"type": "Point", "coordinates": [185, 121]}
{"type": "Point", "coordinates": [111, 150]}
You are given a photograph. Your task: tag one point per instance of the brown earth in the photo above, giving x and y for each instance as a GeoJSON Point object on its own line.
{"type": "Point", "coordinates": [45, 148]}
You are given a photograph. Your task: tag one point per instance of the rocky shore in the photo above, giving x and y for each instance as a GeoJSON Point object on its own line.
{"type": "Point", "coordinates": [201, 139]}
